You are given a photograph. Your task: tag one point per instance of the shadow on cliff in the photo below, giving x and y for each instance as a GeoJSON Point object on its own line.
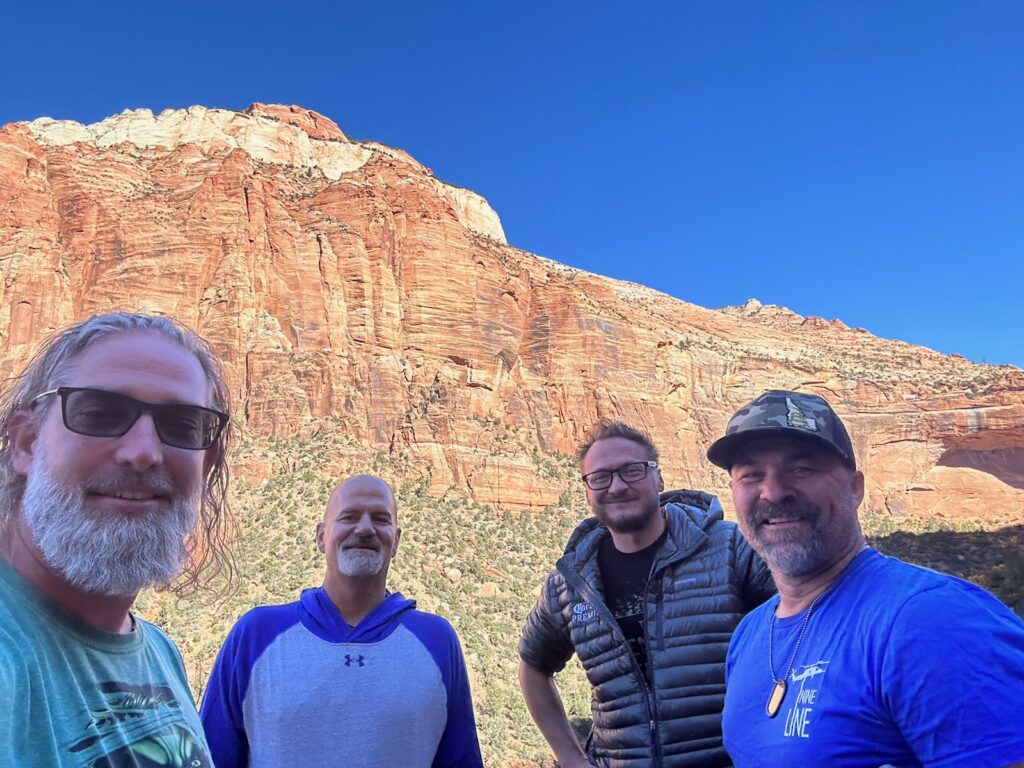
{"type": "Point", "coordinates": [993, 559]}
{"type": "Point", "coordinates": [1004, 464]}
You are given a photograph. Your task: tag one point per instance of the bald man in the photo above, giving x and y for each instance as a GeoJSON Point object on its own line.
{"type": "Point", "coordinates": [351, 674]}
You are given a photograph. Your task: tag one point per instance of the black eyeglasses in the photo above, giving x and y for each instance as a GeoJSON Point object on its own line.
{"type": "Point", "coordinates": [98, 413]}
{"type": "Point", "coordinates": [633, 472]}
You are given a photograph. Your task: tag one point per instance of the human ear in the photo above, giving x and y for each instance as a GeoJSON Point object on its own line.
{"type": "Point", "coordinates": [857, 486]}
{"type": "Point", "coordinates": [22, 433]}
{"type": "Point", "coordinates": [320, 537]}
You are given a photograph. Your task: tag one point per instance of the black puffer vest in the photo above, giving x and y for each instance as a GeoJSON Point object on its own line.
{"type": "Point", "coordinates": [704, 579]}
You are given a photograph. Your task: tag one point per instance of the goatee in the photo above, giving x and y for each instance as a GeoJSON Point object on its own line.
{"type": "Point", "coordinates": [354, 560]}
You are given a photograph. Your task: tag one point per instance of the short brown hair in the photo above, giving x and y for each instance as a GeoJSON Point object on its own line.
{"type": "Point", "coordinates": [607, 428]}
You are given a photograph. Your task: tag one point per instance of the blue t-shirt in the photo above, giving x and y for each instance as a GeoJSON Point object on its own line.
{"type": "Point", "coordinates": [899, 666]}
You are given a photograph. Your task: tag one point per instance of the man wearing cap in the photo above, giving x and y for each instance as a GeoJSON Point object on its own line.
{"type": "Point", "coordinates": [862, 659]}
{"type": "Point", "coordinates": [646, 595]}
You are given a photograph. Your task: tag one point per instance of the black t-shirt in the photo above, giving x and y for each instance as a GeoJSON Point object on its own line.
{"type": "Point", "coordinates": [624, 575]}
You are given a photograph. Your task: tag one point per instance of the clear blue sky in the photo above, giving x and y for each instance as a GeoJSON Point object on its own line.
{"type": "Point", "coordinates": [861, 160]}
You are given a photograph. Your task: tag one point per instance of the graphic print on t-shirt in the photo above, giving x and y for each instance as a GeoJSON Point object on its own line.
{"type": "Point", "coordinates": [804, 686]}
{"type": "Point", "coordinates": [140, 727]}
{"type": "Point", "coordinates": [624, 576]}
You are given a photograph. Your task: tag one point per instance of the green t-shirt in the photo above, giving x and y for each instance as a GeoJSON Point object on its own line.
{"type": "Point", "coordinates": [73, 695]}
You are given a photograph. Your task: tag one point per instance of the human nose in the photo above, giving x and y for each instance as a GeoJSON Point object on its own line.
{"type": "Point", "coordinates": [140, 447]}
{"type": "Point", "coordinates": [364, 525]}
{"type": "Point", "coordinates": [617, 484]}
{"type": "Point", "coordinates": [774, 487]}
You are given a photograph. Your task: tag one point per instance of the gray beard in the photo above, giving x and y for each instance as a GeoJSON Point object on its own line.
{"type": "Point", "coordinates": [803, 552]}
{"type": "Point", "coordinates": [794, 558]}
{"type": "Point", "coordinates": [107, 553]}
{"type": "Point", "coordinates": [359, 562]}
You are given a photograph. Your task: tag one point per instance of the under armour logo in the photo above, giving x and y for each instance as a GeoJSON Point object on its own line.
{"type": "Point", "coordinates": [349, 661]}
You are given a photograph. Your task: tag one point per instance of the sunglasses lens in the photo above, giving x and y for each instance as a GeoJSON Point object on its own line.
{"type": "Point", "coordinates": [186, 426]}
{"type": "Point", "coordinates": [100, 414]}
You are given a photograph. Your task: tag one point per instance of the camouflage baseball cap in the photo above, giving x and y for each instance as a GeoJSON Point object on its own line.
{"type": "Point", "coordinates": [779, 413]}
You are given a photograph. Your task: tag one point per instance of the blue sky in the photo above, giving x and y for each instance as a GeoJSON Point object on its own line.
{"type": "Point", "coordinates": [854, 160]}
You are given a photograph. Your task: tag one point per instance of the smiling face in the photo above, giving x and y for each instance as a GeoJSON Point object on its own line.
{"type": "Point", "coordinates": [630, 508]}
{"type": "Point", "coordinates": [112, 514]}
{"type": "Point", "coordinates": [359, 533]}
{"type": "Point", "coordinates": [796, 504]}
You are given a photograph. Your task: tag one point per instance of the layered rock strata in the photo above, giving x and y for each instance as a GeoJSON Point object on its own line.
{"type": "Point", "coordinates": [349, 289]}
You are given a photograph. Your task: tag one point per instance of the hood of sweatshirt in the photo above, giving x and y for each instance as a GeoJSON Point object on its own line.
{"type": "Point", "coordinates": [320, 616]}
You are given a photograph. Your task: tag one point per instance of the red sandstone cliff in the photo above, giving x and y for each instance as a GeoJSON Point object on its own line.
{"type": "Point", "coordinates": [348, 289]}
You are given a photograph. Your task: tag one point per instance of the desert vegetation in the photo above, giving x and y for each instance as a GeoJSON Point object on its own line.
{"type": "Point", "coordinates": [479, 567]}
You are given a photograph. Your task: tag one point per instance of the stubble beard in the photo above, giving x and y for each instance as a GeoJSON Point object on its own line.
{"type": "Point", "coordinates": [107, 553]}
{"type": "Point", "coordinates": [632, 523]}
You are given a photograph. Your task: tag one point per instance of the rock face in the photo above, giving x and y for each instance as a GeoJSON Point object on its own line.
{"type": "Point", "coordinates": [348, 289]}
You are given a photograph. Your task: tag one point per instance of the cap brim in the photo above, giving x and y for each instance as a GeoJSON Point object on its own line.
{"type": "Point", "coordinates": [722, 452]}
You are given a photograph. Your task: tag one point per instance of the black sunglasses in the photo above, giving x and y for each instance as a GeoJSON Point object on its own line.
{"type": "Point", "coordinates": [98, 413]}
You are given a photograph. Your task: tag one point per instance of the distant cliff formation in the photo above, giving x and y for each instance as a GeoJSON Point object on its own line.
{"type": "Point", "coordinates": [351, 291]}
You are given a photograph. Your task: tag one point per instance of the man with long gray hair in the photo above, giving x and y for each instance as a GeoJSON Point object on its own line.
{"type": "Point", "coordinates": [114, 479]}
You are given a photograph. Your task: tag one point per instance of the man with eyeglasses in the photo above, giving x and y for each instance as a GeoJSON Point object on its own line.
{"type": "Point", "coordinates": [646, 595]}
{"type": "Point", "coordinates": [112, 462]}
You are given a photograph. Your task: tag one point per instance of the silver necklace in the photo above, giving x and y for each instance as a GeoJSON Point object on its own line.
{"type": "Point", "coordinates": [779, 688]}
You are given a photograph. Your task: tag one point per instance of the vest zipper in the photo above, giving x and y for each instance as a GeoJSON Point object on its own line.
{"type": "Point", "coordinates": [575, 579]}
{"type": "Point", "coordinates": [649, 689]}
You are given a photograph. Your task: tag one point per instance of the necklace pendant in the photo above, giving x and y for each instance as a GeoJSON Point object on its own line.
{"type": "Point", "coordinates": [775, 700]}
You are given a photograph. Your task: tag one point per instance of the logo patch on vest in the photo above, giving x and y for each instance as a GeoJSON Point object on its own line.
{"type": "Point", "coordinates": [583, 613]}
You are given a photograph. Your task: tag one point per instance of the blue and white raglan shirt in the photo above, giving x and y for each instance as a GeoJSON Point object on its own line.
{"type": "Point", "coordinates": [899, 666]}
{"type": "Point", "coordinates": [294, 685]}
